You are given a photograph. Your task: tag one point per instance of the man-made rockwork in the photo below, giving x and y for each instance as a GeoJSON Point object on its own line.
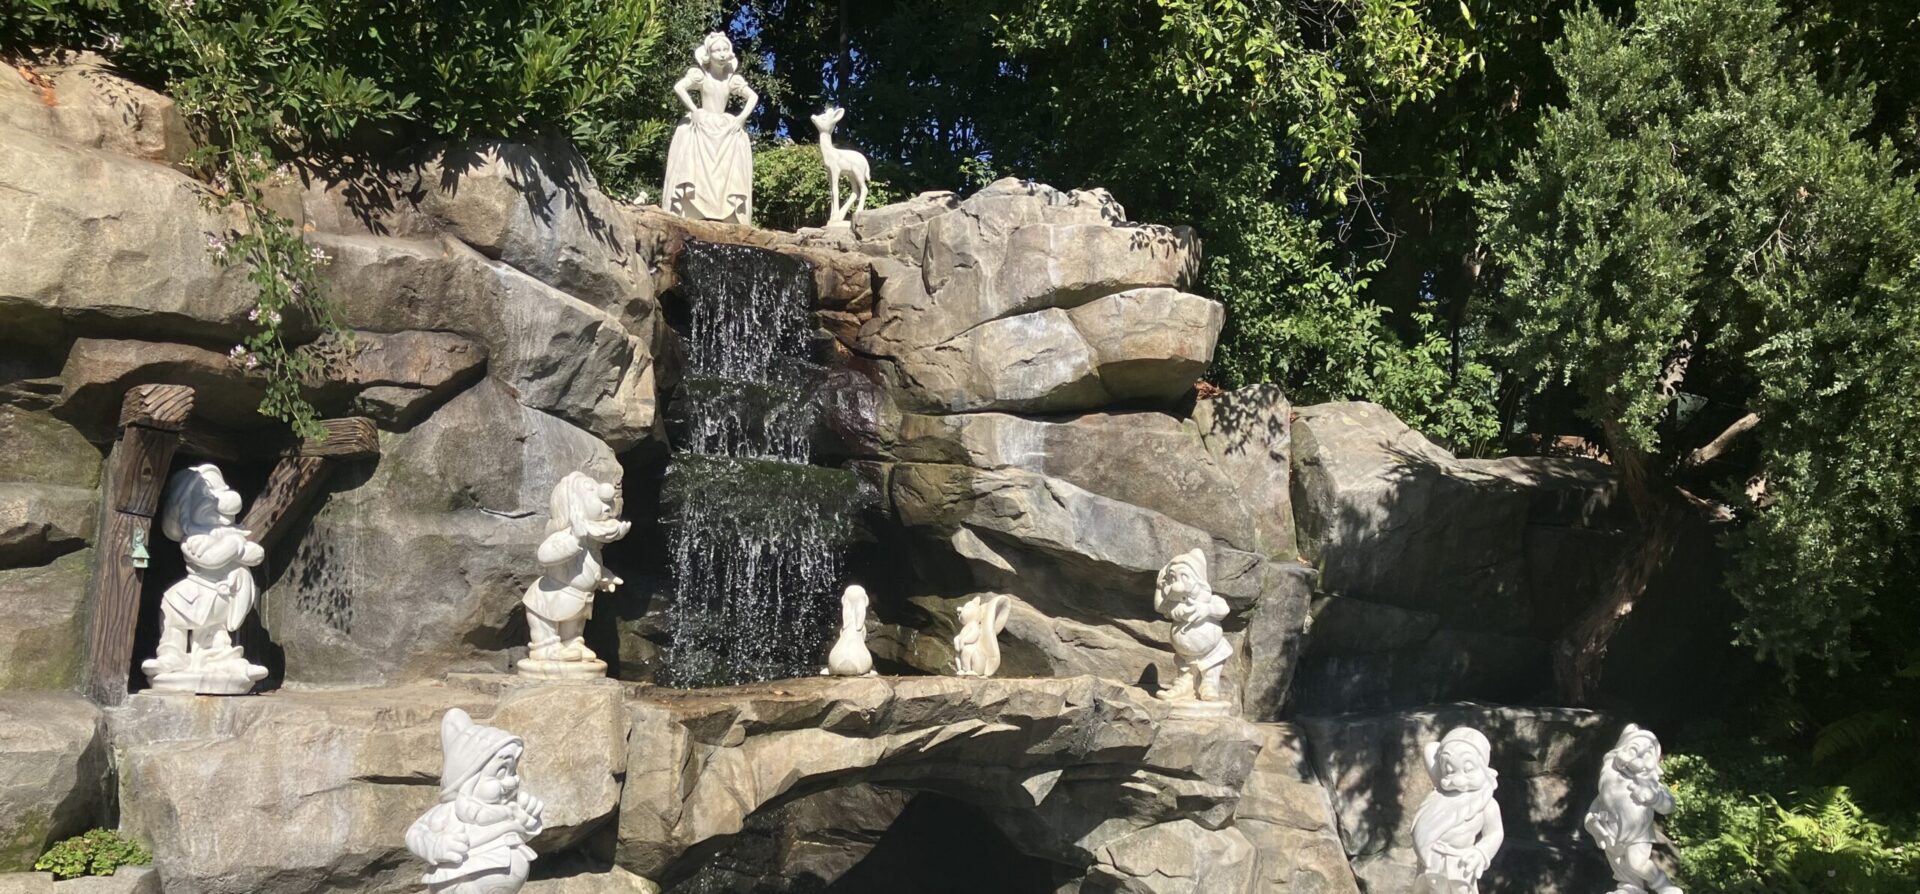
{"type": "Point", "coordinates": [1014, 375]}
{"type": "Point", "coordinates": [1080, 772]}
{"type": "Point", "coordinates": [313, 790]}
{"type": "Point", "coordinates": [54, 773]}
{"type": "Point", "coordinates": [1027, 299]}
{"type": "Point", "coordinates": [1445, 578]}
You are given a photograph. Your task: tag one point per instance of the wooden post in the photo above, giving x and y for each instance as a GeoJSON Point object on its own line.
{"type": "Point", "coordinates": [151, 418]}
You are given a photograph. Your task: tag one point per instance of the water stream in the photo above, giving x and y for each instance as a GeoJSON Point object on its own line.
{"type": "Point", "coordinates": [756, 531]}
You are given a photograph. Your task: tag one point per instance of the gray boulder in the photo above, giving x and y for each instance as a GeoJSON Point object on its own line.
{"type": "Point", "coordinates": [42, 633]}
{"type": "Point", "coordinates": [415, 562]}
{"type": "Point", "coordinates": [41, 521]}
{"type": "Point", "coordinates": [1447, 575]}
{"type": "Point", "coordinates": [1028, 752]}
{"type": "Point", "coordinates": [54, 773]}
{"type": "Point", "coordinates": [1027, 299]}
{"type": "Point", "coordinates": [557, 353]}
{"type": "Point", "coordinates": [1286, 815]}
{"type": "Point", "coordinates": [111, 243]}
{"type": "Point", "coordinates": [84, 103]}
{"type": "Point", "coordinates": [316, 789]}
{"type": "Point", "coordinates": [1150, 460]}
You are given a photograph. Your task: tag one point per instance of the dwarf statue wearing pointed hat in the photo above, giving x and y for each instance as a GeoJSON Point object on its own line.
{"type": "Point", "coordinates": [476, 837]}
{"type": "Point", "coordinates": [1623, 816]}
{"type": "Point", "coordinates": [1458, 828]}
{"type": "Point", "coordinates": [1200, 648]}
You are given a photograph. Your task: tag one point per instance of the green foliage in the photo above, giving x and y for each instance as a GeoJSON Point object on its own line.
{"type": "Point", "coordinates": [98, 852]}
{"type": "Point", "coordinates": [1699, 218]}
{"type": "Point", "coordinates": [1747, 822]}
{"type": "Point", "coordinates": [790, 188]}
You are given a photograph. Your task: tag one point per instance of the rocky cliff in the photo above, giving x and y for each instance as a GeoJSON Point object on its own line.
{"type": "Point", "coordinates": [1014, 374]}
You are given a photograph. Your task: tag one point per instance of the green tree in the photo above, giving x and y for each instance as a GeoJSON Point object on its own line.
{"type": "Point", "coordinates": [1705, 252]}
{"type": "Point", "coordinates": [1243, 119]}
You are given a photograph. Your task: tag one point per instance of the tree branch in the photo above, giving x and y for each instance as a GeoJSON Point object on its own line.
{"type": "Point", "coordinates": [1713, 449]}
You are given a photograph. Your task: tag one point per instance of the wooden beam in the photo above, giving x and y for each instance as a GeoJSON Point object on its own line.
{"type": "Point", "coordinates": [348, 437]}
{"type": "Point", "coordinates": [290, 488]}
{"type": "Point", "coordinates": [203, 442]}
{"type": "Point", "coordinates": [151, 417]}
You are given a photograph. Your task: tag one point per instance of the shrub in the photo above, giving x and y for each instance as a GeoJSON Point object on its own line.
{"type": "Point", "coordinates": [99, 852]}
{"type": "Point", "coordinates": [1748, 822]}
{"type": "Point", "coordinates": [790, 188]}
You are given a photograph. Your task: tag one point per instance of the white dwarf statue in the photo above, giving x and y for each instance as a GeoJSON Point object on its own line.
{"type": "Point", "coordinates": [585, 517]}
{"type": "Point", "coordinates": [976, 650]}
{"type": "Point", "coordinates": [1183, 595]}
{"type": "Point", "coordinates": [1457, 830]}
{"type": "Point", "coordinates": [1623, 816]}
{"type": "Point", "coordinates": [841, 162]}
{"type": "Point", "coordinates": [849, 656]}
{"type": "Point", "coordinates": [476, 838]}
{"type": "Point", "coordinates": [710, 162]}
{"type": "Point", "coordinates": [199, 614]}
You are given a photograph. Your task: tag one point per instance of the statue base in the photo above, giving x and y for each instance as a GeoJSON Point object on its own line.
{"type": "Point", "coordinates": [223, 678]}
{"type": "Point", "coordinates": [1193, 707]}
{"type": "Point", "coordinates": [549, 669]}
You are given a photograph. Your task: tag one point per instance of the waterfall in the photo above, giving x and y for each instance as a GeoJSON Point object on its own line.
{"type": "Point", "coordinates": [756, 532]}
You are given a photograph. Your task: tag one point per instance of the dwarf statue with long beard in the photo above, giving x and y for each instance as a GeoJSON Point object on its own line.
{"type": "Point", "coordinates": [1623, 817]}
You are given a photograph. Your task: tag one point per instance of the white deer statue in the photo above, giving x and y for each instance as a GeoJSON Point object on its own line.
{"type": "Point", "coordinates": [841, 161]}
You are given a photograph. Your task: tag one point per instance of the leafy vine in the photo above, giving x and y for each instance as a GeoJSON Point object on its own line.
{"type": "Point", "coordinates": [285, 271]}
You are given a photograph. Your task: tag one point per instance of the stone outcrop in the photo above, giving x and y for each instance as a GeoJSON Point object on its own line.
{"type": "Point", "coordinates": [1446, 578]}
{"type": "Point", "coordinates": [1077, 771]}
{"type": "Point", "coordinates": [415, 563]}
{"type": "Point", "coordinates": [316, 789]}
{"type": "Point", "coordinates": [42, 630]}
{"type": "Point", "coordinates": [103, 242]}
{"type": "Point", "coordinates": [76, 98]}
{"type": "Point", "coordinates": [1026, 299]}
{"type": "Point", "coordinates": [54, 772]}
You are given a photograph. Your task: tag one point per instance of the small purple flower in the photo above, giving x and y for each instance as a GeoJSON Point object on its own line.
{"type": "Point", "coordinates": [253, 316]}
{"type": "Point", "coordinates": [237, 352]}
{"type": "Point", "coordinates": [318, 256]}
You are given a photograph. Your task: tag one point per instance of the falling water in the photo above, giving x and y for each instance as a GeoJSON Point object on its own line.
{"type": "Point", "coordinates": [756, 531]}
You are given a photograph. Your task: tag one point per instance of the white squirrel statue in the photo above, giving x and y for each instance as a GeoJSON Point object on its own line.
{"type": "Point", "coordinates": [849, 656]}
{"type": "Point", "coordinates": [976, 650]}
{"type": "Point", "coordinates": [841, 162]}
{"type": "Point", "coordinates": [1458, 829]}
{"type": "Point", "coordinates": [1623, 817]}
{"type": "Point", "coordinates": [475, 839]}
